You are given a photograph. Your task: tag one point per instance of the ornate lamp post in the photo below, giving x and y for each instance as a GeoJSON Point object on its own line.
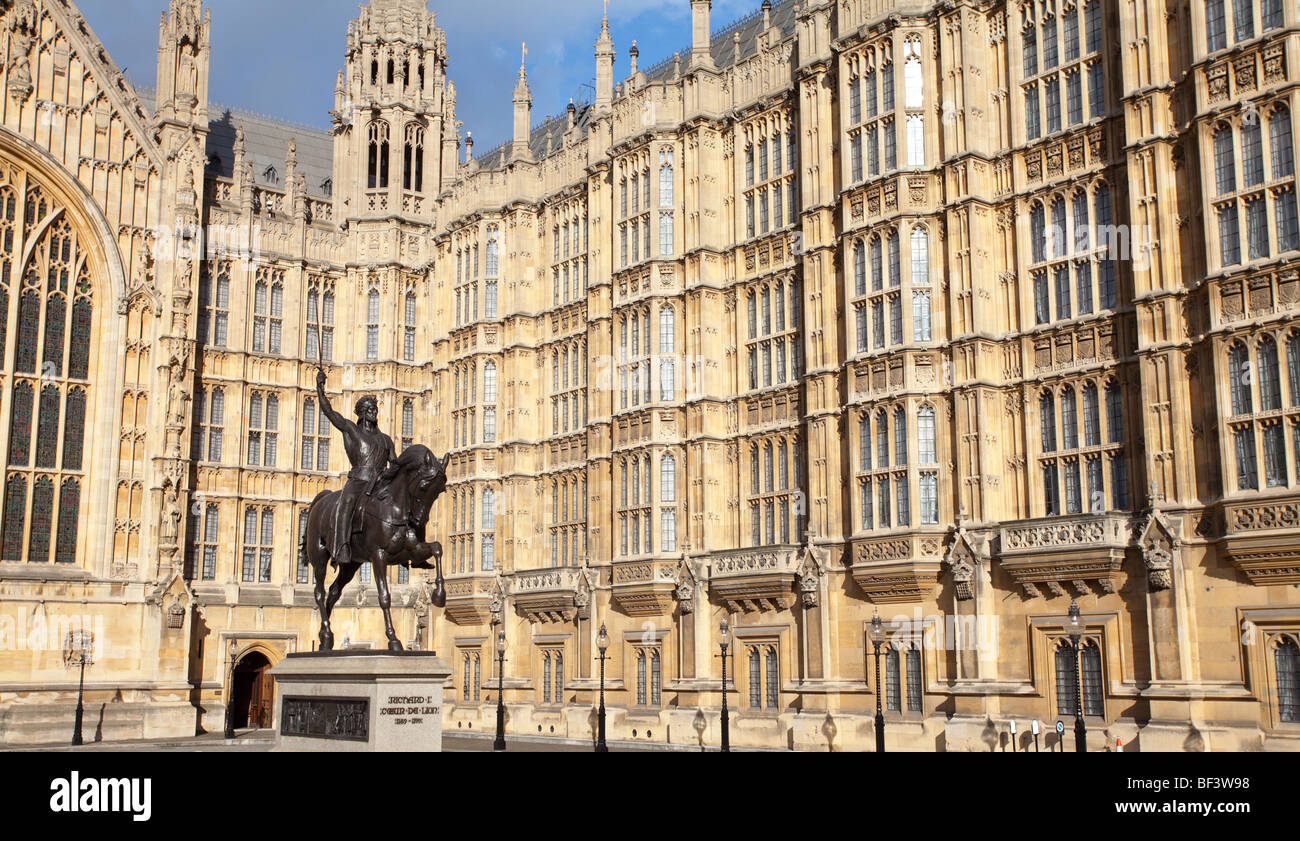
{"type": "Point", "coordinates": [500, 743]}
{"type": "Point", "coordinates": [878, 639]}
{"type": "Point", "coordinates": [78, 650]}
{"type": "Point", "coordinates": [1074, 627]}
{"type": "Point", "coordinates": [602, 642]}
{"type": "Point", "coordinates": [230, 689]}
{"type": "Point", "coordinates": [724, 638]}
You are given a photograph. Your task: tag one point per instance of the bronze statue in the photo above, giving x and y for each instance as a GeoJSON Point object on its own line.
{"type": "Point", "coordinates": [379, 516]}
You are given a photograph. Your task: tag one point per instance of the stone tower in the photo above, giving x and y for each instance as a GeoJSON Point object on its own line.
{"type": "Point", "coordinates": [388, 113]}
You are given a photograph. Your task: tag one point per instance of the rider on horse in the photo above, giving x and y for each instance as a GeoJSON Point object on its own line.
{"type": "Point", "coordinates": [371, 453]}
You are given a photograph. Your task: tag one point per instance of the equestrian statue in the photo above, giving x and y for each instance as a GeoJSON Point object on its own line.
{"type": "Point", "coordinates": [379, 516]}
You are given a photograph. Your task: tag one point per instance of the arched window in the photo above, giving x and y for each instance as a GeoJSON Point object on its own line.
{"type": "Point", "coordinates": [1080, 222]}
{"type": "Point", "coordinates": [1038, 232]}
{"type": "Point", "coordinates": [1029, 51]}
{"type": "Point", "coordinates": [1057, 233]}
{"type": "Point", "coordinates": [490, 382]}
{"type": "Point", "coordinates": [493, 250]}
{"type": "Point", "coordinates": [877, 264]}
{"type": "Point", "coordinates": [377, 170]}
{"type": "Point", "coordinates": [920, 246]}
{"type": "Point", "coordinates": [882, 439]}
{"type": "Point", "coordinates": [1279, 138]}
{"type": "Point", "coordinates": [1091, 417]}
{"type": "Point", "coordinates": [925, 435]}
{"type": "Point", "coordinates": [859, 268]}
{"type": "Point", "coordinates": [408, 422]}
{"type": "Point", "coordinates": [372, 324]}
{"type": "Point", "coordinates": [1069, 422]}
{"type": "Point", "coordinates": [912, 76]}
{"type": "Point", "coordinates": [893, 692]}
{"type": "Point", "coordinates": [1286, 666]}
{"type": "Point", "coordinates": [54, 314]}
{"type": "Point", "coordinates": [1047, 421]}
{"type": "Point", "coordinates": [1252, 153]}
{"type": "Point", "coordinates": [1114, 413]}
{"type": "Point", "coordinates": [408, 337]}
{"type": "Point", "coordinates": [668, 478]}
{"type": "Point", "coordinates": [1239, 379]}
{"type": "Point", "coordinates": [1090, 668]}
{"type": "Point", "coordinates": [489, 509]}
{"type": "Point", "coordinates": [1293, 369]}
{"type": "Point", "coordinates": [1225, 167]}
{"type": "Point", "coordinates": [1270, 387]}
{"type": "Point", "coordinates": [864, 443]}
{"type": "Point", "coordinates": [667, 330]}
{"type": "Point", "coordinates": [666, 181]}
{"type": "Point", "coordinates": [1067, 687]}
{"type": "Point", "coordinates": [900, 437]}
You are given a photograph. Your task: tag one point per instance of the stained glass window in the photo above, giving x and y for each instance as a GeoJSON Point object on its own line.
{"type": "Point", "coordinates": [55, 322]}
{"type": "Point", "coordinates": [29, 316]}
{"type": "Point", "coordinates": [20, 425]}
{"type": "Point", "coordinates": [38, 549]}
{"type": "Point", "coordinates": [47, 437]}
{"type": "Point", "coordinates": [11, 544]}
{"type": "Point", "coordinates": [79, 352]}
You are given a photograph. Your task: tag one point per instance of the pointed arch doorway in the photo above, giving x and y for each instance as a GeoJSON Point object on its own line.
{"type": "Point", "coordinates": [253, 692]}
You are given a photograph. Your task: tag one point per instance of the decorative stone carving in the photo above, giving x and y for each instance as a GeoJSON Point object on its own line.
{"type": "Point", "coordinates": [1047, 552]}
{"type": "Point", "coordinates": [169, 521]}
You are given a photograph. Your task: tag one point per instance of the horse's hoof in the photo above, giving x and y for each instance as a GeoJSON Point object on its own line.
{"type": "Point", "coordinates": [326, 642]}
{"type": "Point", "coordinates": [394, 645]}
{"type": "Point", "coordinates": [440, 597]}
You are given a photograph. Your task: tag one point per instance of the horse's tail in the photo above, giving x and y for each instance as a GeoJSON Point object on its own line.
{"type": "Point", "coordinates": [302, 543]}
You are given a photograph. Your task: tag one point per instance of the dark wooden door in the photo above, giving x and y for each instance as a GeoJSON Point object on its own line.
{"type": "Point", "coordinates": [260, 702]}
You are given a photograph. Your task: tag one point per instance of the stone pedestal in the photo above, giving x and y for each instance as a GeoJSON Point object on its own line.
{"type": "Point", "coordinates": [359, 700]}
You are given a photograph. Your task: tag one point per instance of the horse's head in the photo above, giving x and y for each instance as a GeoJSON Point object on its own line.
{"type": "Point", "coordinates": [423, 475]}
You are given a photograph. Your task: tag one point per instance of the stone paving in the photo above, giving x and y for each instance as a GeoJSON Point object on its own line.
{"type": "Point", "coordinates": [255, 741]}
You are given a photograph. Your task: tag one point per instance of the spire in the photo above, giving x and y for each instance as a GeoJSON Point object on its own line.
{"type": "Point", "coordinates": [700, 55]}
{"type": "Point", "coordinates": [604, 65]}
{"type": "Point", "coordinates": [633, 53]}
{"type": "Point", "coordinates": [523, 105]}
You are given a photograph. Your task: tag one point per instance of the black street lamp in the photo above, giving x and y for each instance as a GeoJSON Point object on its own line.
{"type": "Point", "coordinates": [78, 650]}
{"type": "Point", "coordinates": [230, 689]}
{"type": "Point", "coordinates": [724, 637]}
{"type": "Point", "coordinates": [500, 743]}
{"type": "Point", "coordinates": [878, 639]}
{"type": "Point", "coordinates": [1074, 627]}
{"type": "Point", "coordinates": [602, 642]}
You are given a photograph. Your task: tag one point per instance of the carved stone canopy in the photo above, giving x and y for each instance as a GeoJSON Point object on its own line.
{"type": "Point", "coordinates": [1158, 541]}
{"type": "Point", "coordinates": [966, 553]}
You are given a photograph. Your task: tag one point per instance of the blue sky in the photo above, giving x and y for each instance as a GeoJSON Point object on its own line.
{"type": "Point", "coordinates": [280, 57]}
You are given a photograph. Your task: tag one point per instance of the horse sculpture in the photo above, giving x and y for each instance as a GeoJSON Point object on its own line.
{"type": "Point", "coordinates": [389, 529]}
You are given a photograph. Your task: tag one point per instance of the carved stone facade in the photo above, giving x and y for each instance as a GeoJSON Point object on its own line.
{"type": "Point", "coordinates": [855, 306]}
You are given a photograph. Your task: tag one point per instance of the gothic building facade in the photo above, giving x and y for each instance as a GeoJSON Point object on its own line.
{"type": "Point", "coordinates": [952, 313]}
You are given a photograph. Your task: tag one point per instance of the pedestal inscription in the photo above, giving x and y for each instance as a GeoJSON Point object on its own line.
{"type": "Point", "coordinates": [360, 700]}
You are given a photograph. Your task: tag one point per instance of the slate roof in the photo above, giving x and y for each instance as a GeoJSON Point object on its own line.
{"type": "Point", "coordinates": [266, 142]}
